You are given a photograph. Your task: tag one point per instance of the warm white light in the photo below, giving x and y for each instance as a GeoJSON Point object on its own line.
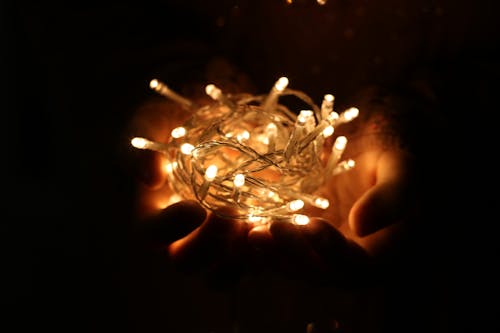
{"type": "Point", "coordinates": [300, 219]}
{"type": "Point", "coordinates": [271, 129]}
{"type": "Point", "coordinates": [187, 148]}
{"type": "Point", "coordinates": [211, 172]}
{"type": "Point", "coordinates": [169, 167]}
{"type": "Point", "coordinates": [281, 84]}
{"type": "Point", "coordinates": [153, 84]}
{"type": "Point", "coordinates": [140, 143]}
{"type": "Point", "coordinates": [333, 116]}
{"type": "Point", "coordinates": [178, 132]}
{"type": "Point", "coordinates": [321, 203]}
{"type": "Point", "coordinates": [351, 113]}
{"type": "Point", "coordinates": [340, 143]}
{"type": "Point", "coordinates": [253, 153]}
{"type": "Point", "coordinates": [295, 205]}
{"type": "Point", "coordinates": [239, 180]}
{"type": "Point", "coordinates": [321, 2]}
{"type": "Point", "coordinates": [254, 219]}
{"type": "Point", "coordinates": [328, 131]}
{"type": "Point", "coordinates": [245, 135]}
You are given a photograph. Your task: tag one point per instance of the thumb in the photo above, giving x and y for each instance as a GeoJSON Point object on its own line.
{"type": "Point", "coordinates": [390, 199]}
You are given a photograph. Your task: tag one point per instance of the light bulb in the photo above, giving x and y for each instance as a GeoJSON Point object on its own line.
{"type": "Point", "coordinates": [239, 180]}
{"type": "Point", "coordinates": [300, 219]}
{"type": "Point", "coordinates": [211, 172]}
{"type": "Point", "coordinates": [253, 154]}
{"type": "Point", "coordinates": [187, 148]}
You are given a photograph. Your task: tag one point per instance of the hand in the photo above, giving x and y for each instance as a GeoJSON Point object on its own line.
{"type": "Point", "coordinates": [193, 239]}
{"type": "Point", "coordinates": [367, 202]}
{"type": "Point", "coordinates": [370, 209]}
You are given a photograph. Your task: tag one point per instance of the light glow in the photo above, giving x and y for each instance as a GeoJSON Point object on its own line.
{"type": "Point", "coordinates": [252, 153]}
{"type": "Point", "coordinates": [178, 132]}
{"type": "Point", "coordinates": [300, 219]}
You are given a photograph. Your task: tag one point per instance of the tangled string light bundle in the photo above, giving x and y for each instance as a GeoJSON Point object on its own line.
{"type": "Point", "coordinates": [252, 153]}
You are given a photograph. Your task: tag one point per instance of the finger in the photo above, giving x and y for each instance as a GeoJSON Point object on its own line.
{"type": "Point", "coordinates": [326, 240]}
{"type": "Point", "coordinates": [390, 199]}
{"type": "Point", "coordinates": [217, 239]}
{"type": "Point", "coordinates": [294, 253]}
{"type": "Point", "coordinates": [174, 222]}
{"type": "Point", "coordinates": [262, 248]}
{"type": "Point", "coordinates": [149, 168]}
{"type": "Point", "coordinates": [153, 120]}
{"type": "Point", "coordinates": [345, 259]}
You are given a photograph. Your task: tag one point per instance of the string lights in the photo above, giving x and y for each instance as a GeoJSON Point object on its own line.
{"type": "Point", "coordinates": [252, 153]}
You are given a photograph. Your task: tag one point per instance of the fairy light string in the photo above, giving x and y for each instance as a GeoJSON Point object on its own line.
{"type": "Point", "coordinates": [252, 153]}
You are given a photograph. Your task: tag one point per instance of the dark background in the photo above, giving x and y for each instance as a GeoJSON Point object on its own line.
{"type": "Point", "coordinates": [73, 74]}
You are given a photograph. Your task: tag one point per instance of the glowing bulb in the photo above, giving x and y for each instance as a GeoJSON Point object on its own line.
{"type": "Point", "coordinates": [281, 84]}
{"type": "Point", "coordinates": [295, 205]}
{"type": "Point", "coordinates": [239, 180]}
{"type": "Point", "coordinates": [304, 116]}
{"type": "Point", "coordinates": [351, 113]}
{"type": "Point", "coordinates": [327, 106]}
{"type": "Point", "coordinates": [225, 162]}
{"type": "Point", "coordinates": [321, 2]}
{"type": "Point", "coordinates": [300, 219]}
{"type": "Point", "coordinates": [271, 129]}
{"type": "Point", "coordinates": [178, 132]}
{"type": "Point", "coordinates": [169, 167]}
{"type": "Point", "coordinates": [140, 143]}
{"type": "Point", "coordinates": [245, 135]}
{"type": "Point", "coordinates": [328, 131]}
{"type": "Point", "coordinates": [211, 172]}
{"type": "Point", "coordinates": [254, 219]}
{"type": "Point", "coordinates": [340, 143]}
{"type": "Point", "coordinates": [321, 203]}
{"type": "Point", "coordinates": [187, 148]}
{"type": "Point", "coordinates": [153, 83]}
{"type": "Point", "coordinates": [213, 91]}
{"type": "Point", "coordinates": [333, 116]}
{"type": "Point", "coordinates": [165, 91]}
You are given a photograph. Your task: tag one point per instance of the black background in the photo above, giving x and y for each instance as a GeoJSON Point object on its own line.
{"type": "Point", "coordinates": [73, 74]}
